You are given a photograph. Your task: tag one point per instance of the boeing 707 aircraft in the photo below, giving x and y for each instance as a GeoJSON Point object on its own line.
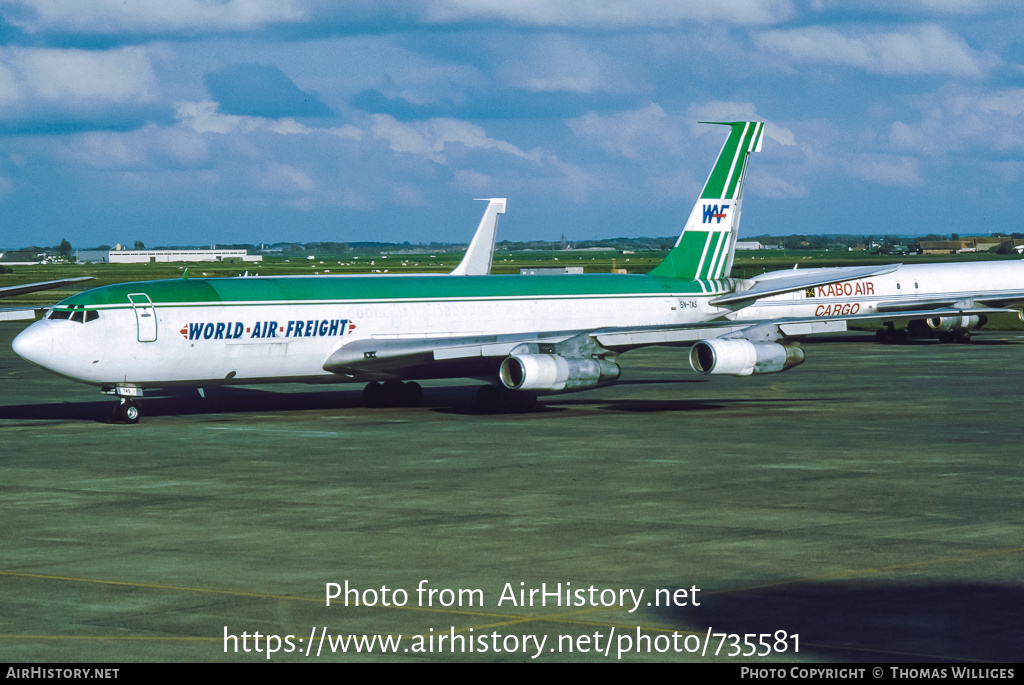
{"type": "Point", "coordinates": [886, 297]}
{"type": "Point", "coordinates": [524, 335]}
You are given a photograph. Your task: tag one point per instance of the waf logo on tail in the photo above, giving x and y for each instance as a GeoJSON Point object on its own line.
{"type": "Point", "coordinates": [716, 212]}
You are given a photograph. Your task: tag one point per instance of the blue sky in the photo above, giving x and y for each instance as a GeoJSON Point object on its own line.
{"type": "Point", "coordinates": [224, 121]}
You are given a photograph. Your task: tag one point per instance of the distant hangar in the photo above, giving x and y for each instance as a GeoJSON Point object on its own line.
{"type": "Point", "coordinates": [147, 256]}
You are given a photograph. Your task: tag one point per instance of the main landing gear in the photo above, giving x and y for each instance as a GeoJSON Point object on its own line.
{"type": "Point", "coordinates": [890, 335]}
{"type": "Point", "coordinates": [393, 394]}
{"type": "Point", "coordinates": [916, 330]}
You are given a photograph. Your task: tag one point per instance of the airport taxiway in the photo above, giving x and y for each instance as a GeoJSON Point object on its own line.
{"type": "Point", "coordinates": [868, 501]}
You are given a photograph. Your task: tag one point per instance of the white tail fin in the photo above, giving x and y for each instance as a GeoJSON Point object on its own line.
{"type": "Point", "coordinates": [478, 258]}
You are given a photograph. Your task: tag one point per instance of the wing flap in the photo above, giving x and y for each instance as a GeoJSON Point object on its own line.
{"type": "Point", "coordinates": [376, 355]}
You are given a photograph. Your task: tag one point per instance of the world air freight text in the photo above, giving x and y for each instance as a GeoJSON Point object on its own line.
{"type": "Point", "coordinates": [313, 328]}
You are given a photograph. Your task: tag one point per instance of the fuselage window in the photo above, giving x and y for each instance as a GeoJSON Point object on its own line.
{"type": "Point", "coordinates": [78, 315]}
{"type": "Point", "coordinates": [60, 314]}
{"type": "Point", "coordinates": [91, 315]}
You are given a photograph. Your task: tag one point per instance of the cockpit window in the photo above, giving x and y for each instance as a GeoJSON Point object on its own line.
{"type": "Point", "coordinates": [77, 313]}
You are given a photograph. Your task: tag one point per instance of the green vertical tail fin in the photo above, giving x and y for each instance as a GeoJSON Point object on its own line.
{"type": "Point", "coordinates": [707, 244]}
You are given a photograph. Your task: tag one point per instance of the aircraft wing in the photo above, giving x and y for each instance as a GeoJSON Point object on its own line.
{"type": "Point", "coordinates": [622, 339]}
{"type": "Point", "coordinates": [797, 280]}
{"type": "Point", "coordinates": [390, 355]}
{"type": "Point", "coordinates": [427, 355]}
{"type": "Point", "coordinates": [11, 290]}
{"type": "Point", "coordinates": [1012, 300]}
{"type": "Point", "coordinates": [19, 313]}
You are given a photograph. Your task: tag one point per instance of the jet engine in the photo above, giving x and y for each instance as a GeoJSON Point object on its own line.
{"type": "Point", "coordinates": [946, 324]}
{"type": "Point", "coordinates": [742, 357]}
{"type": "Point", "coordinates": [551, 373]}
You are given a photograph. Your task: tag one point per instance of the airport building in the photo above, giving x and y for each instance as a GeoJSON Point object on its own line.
{"type": "Point", "coordinates": [144, 256]}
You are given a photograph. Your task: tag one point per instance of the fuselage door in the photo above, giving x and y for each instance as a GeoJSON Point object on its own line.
{"type": "Point", "coordinates": [145, 315]}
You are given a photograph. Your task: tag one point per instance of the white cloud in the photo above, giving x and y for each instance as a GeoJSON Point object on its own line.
{"type": "Point", "coordinates": [407, 195]}
{"type": "Point", "coordinates": [204, 117]}
{"type": "Point", "coordinates": [890, 170]}
{"type": "Point", "coordinates": [105, 17]}
{"type": "Point", "coordinates": [920, 50]}
{"type": "Point", "coordinates": [767, 185]}
{"type": "Point", "coordinates": [587, 13]}
{"type": "Point", "coordinates": [10, 91]}
{"type": "Point", "coordinates": [986, 121]}
{"type": "Point", "coordinates": [76, 76]}
{"type": "Point", "coordinates": [633, 133]}
{"type": "Point", "coordinates": [429, 138]}
{"type": "Point", "coordinates": [285, 178]}
{"type": "Point", "coordinates": [564, 64]}
{"type": "Point", "coordinates": [147, 148]}
{"type": "Point", "coordinates": [472, 181]}
{"type": "Point", "coordinates": [917, 7]}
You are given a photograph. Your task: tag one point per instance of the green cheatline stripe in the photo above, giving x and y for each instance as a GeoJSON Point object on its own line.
{"type": "Point", "coordinates": [326, 289]}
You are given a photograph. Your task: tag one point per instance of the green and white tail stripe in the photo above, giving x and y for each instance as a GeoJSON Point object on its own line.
{"type": "Point", "coordinates": [707, 244]}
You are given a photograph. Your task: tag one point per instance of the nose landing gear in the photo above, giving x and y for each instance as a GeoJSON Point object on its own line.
{"type": "Point", "coordinates": [125, 411]}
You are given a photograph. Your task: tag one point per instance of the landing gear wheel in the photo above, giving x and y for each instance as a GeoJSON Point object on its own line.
{"type": "Point", "coordinates": [962, 336]}
{"type": "Point", "coordinates": [393, 394]}
{"type": "Point", "coordinates": [126, 411]}
{"type": "Point", "coordinates": [373, 395]}
{"type": "Point", "coordinates": [890, 335]}
{"type": "Point", "coordinates": [412, 394]}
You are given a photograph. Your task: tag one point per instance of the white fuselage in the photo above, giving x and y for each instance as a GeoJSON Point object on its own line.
{"type": "Point", "coordinates": [909, 284]}
{"type": "Point", "coordinates": [207, 343]}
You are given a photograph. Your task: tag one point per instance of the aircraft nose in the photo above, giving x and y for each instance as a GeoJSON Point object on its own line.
{"type": "Point", "coordinates": [35, 344]}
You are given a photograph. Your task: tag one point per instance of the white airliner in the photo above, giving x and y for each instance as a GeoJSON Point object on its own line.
{"type": "Point", "coordinates": [917, 287]}
{"type": "Point", "coordinates": [524, 335]}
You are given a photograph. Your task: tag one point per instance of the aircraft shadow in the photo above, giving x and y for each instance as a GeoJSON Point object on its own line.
{"type": "Point", "coordinates": [220, 400]}
{"type": "Point", "coordinates": [456, 400]}
{"type": "Point", "coordinates": [871, 621]}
